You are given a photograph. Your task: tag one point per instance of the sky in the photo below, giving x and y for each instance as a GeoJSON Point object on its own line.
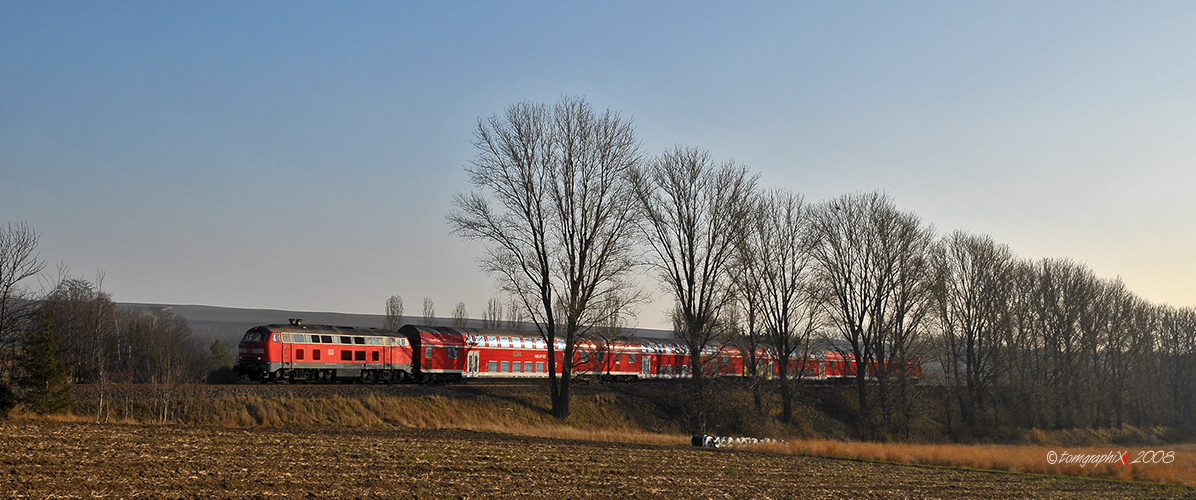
{"type": "Point", "coordinates": [303, 156]}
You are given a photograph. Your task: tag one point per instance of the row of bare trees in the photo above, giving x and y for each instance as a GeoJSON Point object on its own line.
{"type": "Point", "coordinates": [1048, 344]}
{"type": "Point", "coordinates": [569, 207]}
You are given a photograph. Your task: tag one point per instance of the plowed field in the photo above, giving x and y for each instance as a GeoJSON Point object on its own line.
{"type": "Point", "coordinates": [41, 459]}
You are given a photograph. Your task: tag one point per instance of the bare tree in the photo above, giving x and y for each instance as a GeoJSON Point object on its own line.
{"type": "Point", "coordinates": [459, 315]}
{"type": "Point", "coordinates": [515, 316]}
{"type": "Point", "coordinates": [556, 213]}
{"type": "Point", "coordinates": [167, 356]}
{"type": "Point", "coordinates": [774, 263]}
{"type": "Point", "coordinates": [429, 312]}
{"type": "Point", "coordinates": [747, 333]}
{"type": "Point", "coordinates": [492, 318]}
{"type": "Point", "coordinates": [19, 261]}
{"type": "Point", "coordinates": [394, 313]}
{"type": "Point", "coordinates": [693, 215]}
{"type": "Point", "coordinates": [972, 288]}
{"type": "Point", "coordinates": [868, 257]}
{"type": "Point", "coordinates": [611, 327]}
{"type": "Point", "coordinates": [1177, 346]}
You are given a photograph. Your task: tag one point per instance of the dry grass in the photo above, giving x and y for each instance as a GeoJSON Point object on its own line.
{"type": "Point", "coordinates": [592, 421]}
{"type": "Point", "coordinates": [1013, 458]}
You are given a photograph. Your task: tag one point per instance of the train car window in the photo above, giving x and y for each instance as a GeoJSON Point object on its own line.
{"type": "Point", "coordinates": [506, 367]}
{"type": "Point", "coordinates": [492, 340]}
{"type": "Point", "coordinates": [359, 340]}
{"type": "Point", "coordinates": [492, 366]}
{"type": "Point", "coordinates": [375, 356]}
{"type": "Point", "coordinates": [315, 354]}
{"type": "Point", "coordinates": [298, 353]}
{"type": "Point", "coordinates": [428, 352]}
{"type": "Point", "coordinates": [539, 368]}
{"type": "Point", "coordinates": [359, 356]}
{"type": "Point", "coordinates": [327, 339]}
{"type": "Point", "coordinates": [286, 337]}
{"type": "Point", "coordinates": [503, 340]}
{"type": "Point", "coordinates": [517, 366]}
{"type": "Point", "coordinates": [452, 353]}
{"type": "Point", "coordinates": [346, 340]}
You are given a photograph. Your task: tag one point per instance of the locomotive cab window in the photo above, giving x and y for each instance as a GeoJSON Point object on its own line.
{"type": "Point", "coordinates": [253, 337]}
{"type": "Point", "coordinates": [276, 337]}
{"type": "Point", "coordinates": [452, 353]}
{"type": "Point", "coordinates": [428, 352]}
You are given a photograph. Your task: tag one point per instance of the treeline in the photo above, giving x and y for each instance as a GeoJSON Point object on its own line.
{"type": "Point", "coordinates": [1048, 344]}
{"type": "Point", "coordinates": [74, 334]}
{"type": "Point", "coordinates": [572, 210]}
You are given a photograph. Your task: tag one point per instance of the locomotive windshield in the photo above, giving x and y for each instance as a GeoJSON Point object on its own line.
{"type": "Point", "coordinates": [254, 336]}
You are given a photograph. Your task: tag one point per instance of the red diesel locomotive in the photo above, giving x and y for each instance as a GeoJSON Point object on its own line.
{"type": "Point", "coordinates": [298, 352]}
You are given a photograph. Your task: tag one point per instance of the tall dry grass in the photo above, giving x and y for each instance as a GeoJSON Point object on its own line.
{"type": "Point", "coordinates": [1012, 458]}
{"type": "Point", "coordinates": [593, 419]}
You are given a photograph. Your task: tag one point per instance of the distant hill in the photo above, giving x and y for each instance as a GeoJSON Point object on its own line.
{"type": "Point", "coordinates": [228, 324]}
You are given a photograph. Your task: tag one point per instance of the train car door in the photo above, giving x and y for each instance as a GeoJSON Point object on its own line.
{"type": "Point", "coordinates": [647, 368]}
{"type": "Point", "coordinates": [471, 365]}
{"type": "Point", "coordinates": [286, 355]}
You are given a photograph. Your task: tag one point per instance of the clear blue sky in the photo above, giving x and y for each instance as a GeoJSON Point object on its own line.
{"type": "Point", "coordinates": [303, 155]}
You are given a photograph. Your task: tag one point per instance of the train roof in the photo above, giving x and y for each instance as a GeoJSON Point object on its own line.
{"type": "Point", "coordinates": [336, 330]}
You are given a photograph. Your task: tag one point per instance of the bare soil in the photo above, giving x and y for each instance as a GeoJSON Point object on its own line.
{"type": "Point", "coordinates": [46, 459]}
